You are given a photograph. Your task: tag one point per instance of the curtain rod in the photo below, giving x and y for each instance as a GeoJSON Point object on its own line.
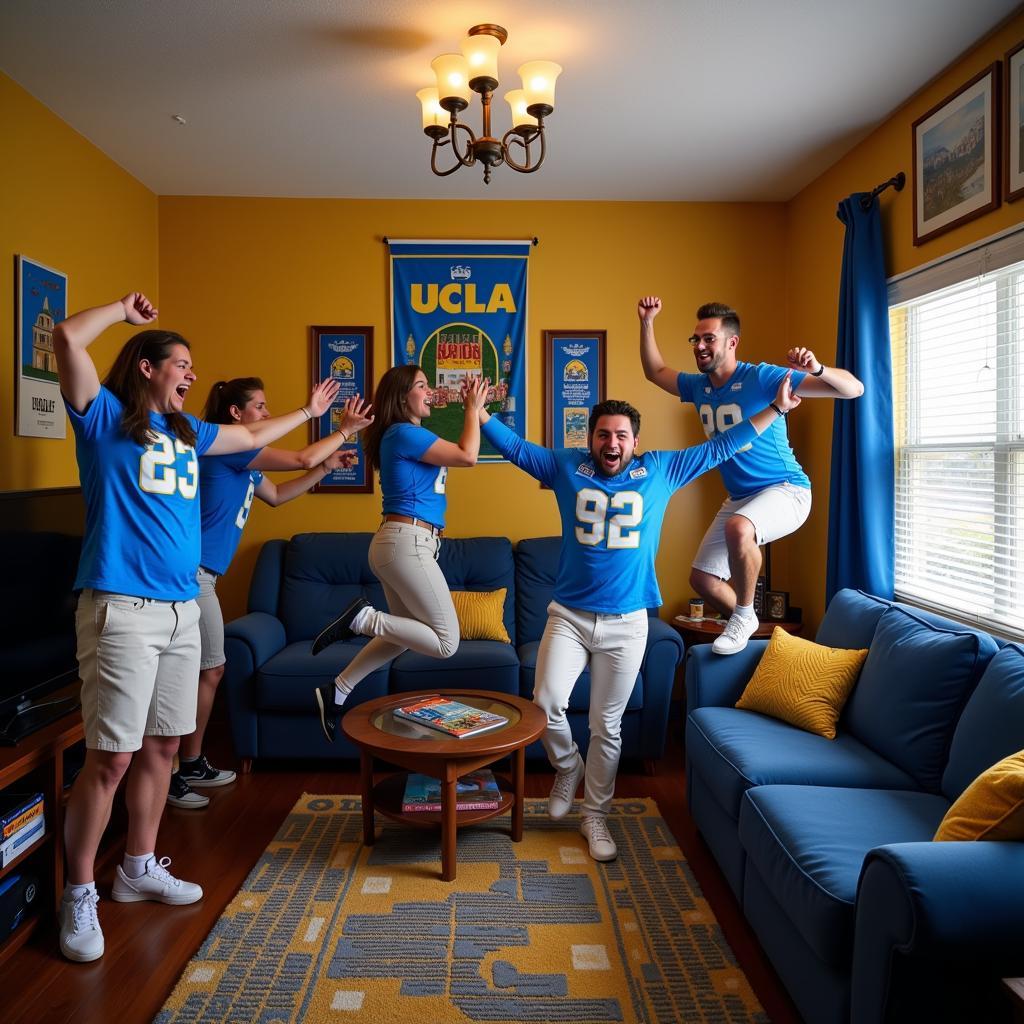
{"type": "Point", "coordinates": [897, 181]}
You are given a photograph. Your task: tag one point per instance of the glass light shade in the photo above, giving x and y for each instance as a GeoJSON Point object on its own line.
{"type": "Point", "coordinates": [539, 81]}
{"type": "Point", "coordinates": [481, 53]}
{"type": "Point", "coordinates": [452, 72]}
{"type": "Point", "coordinates": [432, 112]}
{"type": "Point", "coordinates": [516, 99]}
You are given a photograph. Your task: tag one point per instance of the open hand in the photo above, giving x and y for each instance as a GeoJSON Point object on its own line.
{"type": "Point", "coordinates": [322, 396]}
{"type": "Point", "coordinates": [138, 310]}
{"type": "Point", "coordinates": [358, 414]}
{"type": "Point", "coordinates": [474, 393]}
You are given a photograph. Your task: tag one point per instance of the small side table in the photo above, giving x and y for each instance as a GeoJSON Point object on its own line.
{"type": "Point", "coordinates": [705, 631]}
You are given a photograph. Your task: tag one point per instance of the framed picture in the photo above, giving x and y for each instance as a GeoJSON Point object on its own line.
{"type": "Point", "coordinates": [956, 157]}
{"type": "Point", "coordinates": [1013, 141]}
{"type": "Point", "coordinates": [346, 354]}
{"type": "Point", "coordinates": [42, 304]}
{"type": "Point", "coordinates": [777, 604]}
{"type": "Point", "coordinates": [574, 380]}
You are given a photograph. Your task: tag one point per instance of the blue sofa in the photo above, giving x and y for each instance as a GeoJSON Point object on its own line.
{"type": "Point", "coordinates": [299, 585]}
{"type": "Point", "coordinates": [827, 844]}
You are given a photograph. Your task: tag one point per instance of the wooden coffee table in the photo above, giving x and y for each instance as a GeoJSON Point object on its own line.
{"type": "Point", "coordinates": [377, 733]}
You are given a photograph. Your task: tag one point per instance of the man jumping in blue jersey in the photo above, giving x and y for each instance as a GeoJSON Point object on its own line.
{"type": "Point", "coordinates": [612, 503]}
{"type": "Point", "coordinates": [769, 494]}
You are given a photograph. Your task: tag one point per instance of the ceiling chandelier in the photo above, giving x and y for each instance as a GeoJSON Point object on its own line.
{"type": "Point", "coordinates": [459, 75]}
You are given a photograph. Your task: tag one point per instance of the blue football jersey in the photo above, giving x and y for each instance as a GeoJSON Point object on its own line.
{"type": "Point", "coordinates": [141, 504]}
{"type": "Point", "coordinates": [411, 487]}
{"type": "Point", "coordinates": [768, 459]}
{"type": "Point", "coordinates": [611, 526]}
{"type": "Point", "coordinates": [226, 490]}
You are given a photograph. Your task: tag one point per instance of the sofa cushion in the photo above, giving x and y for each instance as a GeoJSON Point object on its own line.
{"type": "Point", "coordinates": [850, 619]}
{"type": "Point", "coordinates": [579, 699]}
{"type": "Point", "coordinates": [808, 843]}
{"type": "Point", "coordinates": [481, 563]}
{"type": "Point", "coordinates": [286, 681]}
{"type": "Point", "coordinates": [991, 807]}
{"type": "Point", "coordinates": [481, 614]}
{"type": "Point", "coordinates": [802, 683]}
{"type": "Point", "coordinates": [992, 725]}
{"type": "Point", "coordinates": [536, 562]}
{"type": "Point", "coordinates": [733, 750]}
{"type": "Point", "coordinates": [914, 684]}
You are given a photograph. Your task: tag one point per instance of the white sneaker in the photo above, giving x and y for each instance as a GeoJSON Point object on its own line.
{"type": "Point", "coordinates": [595, 829]}
{"type": "Point", "coordinates": [738, 630]}
{"type": "Point", "coordinates": [563, 792]}
{"type": "Point", "coordinates": [156, 884]}
{"type": "Point", "coordinates": [81, 938]}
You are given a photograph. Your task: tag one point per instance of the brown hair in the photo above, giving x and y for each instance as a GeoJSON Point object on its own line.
{"type": "Point", "coordinates": [226, 393]}
{"type": "Point", "coordinates": [614, 407]}
{"type": "Point", "coordinates": [388, 407]}
{"type": "Point", "coordinates": [127, 381]}
{"type": "Point", "coordinates": [720, 311]}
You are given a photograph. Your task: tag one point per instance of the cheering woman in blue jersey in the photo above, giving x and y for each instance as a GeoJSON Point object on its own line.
{"type": "Point", "coordinates": [413, 465]}
{"type": "Point", "coordinates": [228, 484]}
{"type": "Point", "coordinates": [137, 621]}
{"type": "Point", "coordinates": [612, 503]}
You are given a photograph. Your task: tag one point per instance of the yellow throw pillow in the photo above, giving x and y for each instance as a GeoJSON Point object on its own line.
{"type": "Point", "coordinates": [991, 807]}
{"type": "Point", "coordinates": [802, 683]}
{"type": "Point", "coordinates": [481, 614]}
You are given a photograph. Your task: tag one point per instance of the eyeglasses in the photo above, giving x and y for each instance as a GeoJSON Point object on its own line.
{"type": "Point", "coordinates": [696, 339]}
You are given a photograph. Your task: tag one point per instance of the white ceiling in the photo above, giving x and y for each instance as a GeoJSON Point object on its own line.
{"type": "Point", "coordinates": [659, 100]}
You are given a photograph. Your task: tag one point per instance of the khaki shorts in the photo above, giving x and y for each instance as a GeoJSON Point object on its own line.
{"type": "Point", "coordinates": [211, 621]}
{"type": "Point", "coordinates": [774, 512]}
{"type": "Point", "coordinates": [139, 663]}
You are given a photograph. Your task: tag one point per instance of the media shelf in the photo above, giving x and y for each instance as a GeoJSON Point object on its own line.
{"type": "Point", "coordinates": [41, 754]}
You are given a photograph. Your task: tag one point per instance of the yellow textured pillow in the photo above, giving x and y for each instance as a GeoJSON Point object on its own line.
{"type": "Point", "coordinates": [481, 614]}
{"type": "Point", "coordinates": [991, 807]}
{"type": "Point", "coordinates": [802, 683]}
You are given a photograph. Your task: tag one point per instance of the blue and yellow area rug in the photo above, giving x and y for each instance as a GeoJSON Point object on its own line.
{"type": "Point", "coordinates": [327, 929]}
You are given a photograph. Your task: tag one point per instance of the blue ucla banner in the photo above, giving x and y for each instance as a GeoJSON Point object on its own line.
{"type": "Point", "coordinates": [459, 311]}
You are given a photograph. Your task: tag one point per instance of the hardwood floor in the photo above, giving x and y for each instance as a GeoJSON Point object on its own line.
{"type": "Point", "coordinates": [148, 944]}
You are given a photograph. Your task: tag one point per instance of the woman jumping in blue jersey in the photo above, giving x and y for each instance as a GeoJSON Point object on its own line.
{"type": "Point", "coordinates": [413, 465]}
{"type": "Point", "coordinates": [137, 621]}
{"type": "Point", "coordinates": [228, 484]}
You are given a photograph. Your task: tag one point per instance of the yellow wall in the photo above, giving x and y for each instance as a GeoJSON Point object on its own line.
{"type": "Point", "coordinates": [65, 204]}
{"type": "Point", "coordinates": [814, 248]}
{"type": "Point", "coordinates": [244, 278]}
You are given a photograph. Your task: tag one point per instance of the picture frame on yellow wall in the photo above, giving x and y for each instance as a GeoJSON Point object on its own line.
{"type": "Point", "coordinates": [1013, 118]}
{"type": "Point", "coordinates": [956, 147]}
{"type": "Point", "coordinates": [42, 303]}
{"type": "Point", "coordinates": [346, 355]}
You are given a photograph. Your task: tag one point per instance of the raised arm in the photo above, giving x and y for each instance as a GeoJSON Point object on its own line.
{"type": "Point", "coordinates": [655, 369]}
{"type": "Point", "coordinates": [822, 381]}
{"type": "Point", "coordinates": [274, 494]}
{"type": "Point", "coordinates": [539, 462]}
{"type": "Point", "coordinates": [357, 415]}
{"type": "Point", "coordinates": [238, 438]}
{"type": "Point", "coordinates": [79, 381]}
{"type": "Point", "coordinates": [465, 453]}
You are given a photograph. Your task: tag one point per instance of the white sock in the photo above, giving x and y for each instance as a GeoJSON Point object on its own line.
{"type": "Point", "coordinates": [135, 867]}
{"type": "Point", "coordinates": [72, 892]}
{"type": "Point", "coordinates": [342, 688]}
{"type": "Point", "coordinates": [362, 620]}
{"type": "Point", "coordinates": [744, 611]}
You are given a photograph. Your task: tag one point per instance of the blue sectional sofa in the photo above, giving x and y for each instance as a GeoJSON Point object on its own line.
{"type": "Point", "coordinates": [299, 585]}
{"type": "Point", "coordinates": [827, 844]}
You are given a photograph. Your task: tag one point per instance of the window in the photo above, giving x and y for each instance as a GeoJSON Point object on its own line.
{"type": "Point", "coordinates": [958, 383]}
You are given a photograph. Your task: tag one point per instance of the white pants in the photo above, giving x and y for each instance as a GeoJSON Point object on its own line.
{"type": "Point", "coordinates": [422, 617]}
{"type": "Point", "coordinates": [613, 646]}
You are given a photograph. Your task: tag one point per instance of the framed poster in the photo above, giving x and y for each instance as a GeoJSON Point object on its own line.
{"type": "Point", "coordinates": [574, 380]}
{"type": "Point", "coordinates": [1013, 142]}
{"type": "Point", "coordinates": [42, 304]}
{"type": "Point", "coordinates": [346, 354]}
{"type": "Point", "coordinates": [956, 157]}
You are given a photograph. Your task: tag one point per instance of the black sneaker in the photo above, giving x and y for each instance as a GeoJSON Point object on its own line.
{"type": "Point", "coordinates": [181, 794]}
{"type": "Point", "coordinates": [341, 627]}
{"type": "Point", "coordinates": [329, 711]}
{"type": "Point", "coordinates": [201, 773]}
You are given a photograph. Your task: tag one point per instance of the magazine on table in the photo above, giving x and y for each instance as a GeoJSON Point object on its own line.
{"type": "Point", "coordinates": [450, 716]}
{"type": "Point", "coordinates": [474, 791]}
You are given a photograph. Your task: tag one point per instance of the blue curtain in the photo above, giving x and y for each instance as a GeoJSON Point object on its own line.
{"type": "Point", "coordinates": [861, 548]}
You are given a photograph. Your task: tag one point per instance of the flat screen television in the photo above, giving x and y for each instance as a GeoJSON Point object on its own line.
{"type": "Point", "coordinates": [40, 541]}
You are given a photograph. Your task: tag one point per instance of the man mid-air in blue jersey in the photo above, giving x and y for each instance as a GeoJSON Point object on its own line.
{"type": "Point", "coordinates": [612, 503]}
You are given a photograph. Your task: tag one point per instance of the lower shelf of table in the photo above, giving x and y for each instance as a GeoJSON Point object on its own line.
{"type": "Point", "coordinates": [389, 793]}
